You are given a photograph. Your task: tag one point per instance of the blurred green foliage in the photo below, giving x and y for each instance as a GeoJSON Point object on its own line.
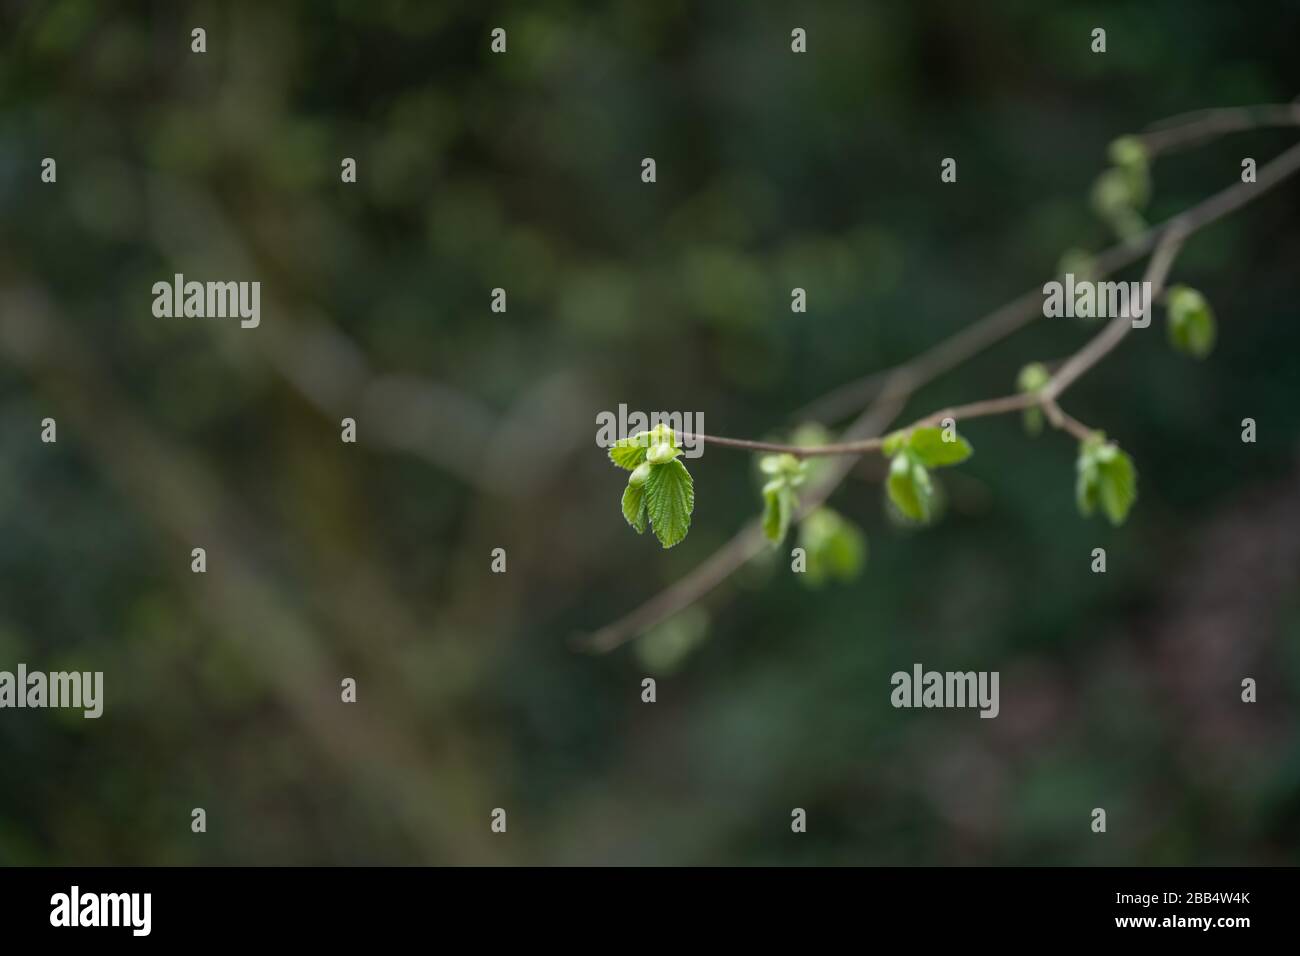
{"type": "Point", "coordinates": [372, 560]}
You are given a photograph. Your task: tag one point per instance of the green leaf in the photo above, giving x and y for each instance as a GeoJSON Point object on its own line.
{"type": "Point", "coordinates": [1191, 322]}
{"type": "Point", "coordinates": [810, 435]}
{"type": "Point", "coordinates": [664, 647]}
{"type": "Point", "coordinates": [670, 499]}
{"type": "Point", "coordinates": [1077, 262]}
{"type": "Point", "coordinates": [661, 453]}
{"type": "Point", "coordinates": [1107, 480]}
{"type": "Point", "coordinates": [909, 487]}
{"type": "Point", "coordinates": [1085, 489]}
{"type": "Point", "coordinates": [779, 504]}
{"type": "Point", "coordinates": [1118, 487]}
{"type": "Point", "coordinates": [927, 446]}
{"type": "Point", "coordinates": [1112, 193]}
{"type": "Point", "coordinates": [783, 464]}
{"type": "Point", "coordinates": [835, 547]}
{"type": "Point", "coordinates": [1032, 378]}
{"type": "Point", "coordinates": [930, 449]}
{"type": "Point", "coordinates": [1119, 193]}
{"type": "Point", "coordinates": [1128, 151]}
{"type": "Point", "coordinates": [634, 507]}
{"type": "Point", "coordinates": [629, 452]}
{"type": "Point", "coordinates": [845, 552]}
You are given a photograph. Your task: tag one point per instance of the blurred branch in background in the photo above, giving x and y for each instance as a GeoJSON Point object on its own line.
{"type": "Point", "coordinates": [442, 425]}
{"type": "Point", "coordinates": [238, 595]}
{"type": "Point", "coordinates": [1196, 128]}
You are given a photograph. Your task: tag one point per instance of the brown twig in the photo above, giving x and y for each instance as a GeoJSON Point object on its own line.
{"type": "Point", "coordinates": [991, 406]}
{"type": "Point", "coordinates": [1168, 240]}
{"type": "Point", "coordinates": [1059, 419]}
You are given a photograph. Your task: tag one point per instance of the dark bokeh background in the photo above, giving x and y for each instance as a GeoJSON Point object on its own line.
{"type": "Point", "coordinates": [372, 560]}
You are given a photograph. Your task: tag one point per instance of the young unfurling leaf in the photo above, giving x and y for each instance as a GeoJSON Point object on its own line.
{"type": "Point", "coordinates": [1033, 377]}
{"type": "Point", "coordinates": [1118, 485]}
{"type": "Point", "coordinates": [912, 454]}
{"type": "Point", "coordinates": [779, 498]}
{"type": "Point", "coordinates": [930, 449]}
{"type": "Point", "coordinates": [1127, 152]}
{"type": "Point", "coordinates": [928, 446]}
{"type": "Point", "coordinates": [1106, 479]}
{"type": "Point", "coordinates": [629, 452]}
{"type": "Point", "coordinates": [670, 499]}
{"type": "Point", "coordinates": [634, 507]}
{"type": "Point", "coordinates": [779, 504]}
{"type": "Point", "coordinates": [660, 491]}
{"type": "Point", "coordinates": [909, 487]}
{"type": "Point", "coordinates": [1122, 190]}
{"type": "Point", "coordinates": [1191, 322]}
{"type": "Point", "coordinates": [785, 464]}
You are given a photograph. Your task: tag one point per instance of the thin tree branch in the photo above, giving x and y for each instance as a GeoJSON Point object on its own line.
{"type": "Point", "coordinates": [1166, 135]}
{"type": "Point", "coordinates": [1168, 240]}
{"type": "Point", "coordinates": [1059, 419]}
{"type": "Point", "coordinates": [991, 406]}
{"type": "Point", "coordinates": [1072, 369]}
{"type": "Point", "coordinates": [184, 504]}
{"type": "Point", "coordinates": [748, 541]}
{"type": "Point", "coordinates": [1191, 129]}
{"type": "Point", "coordinates": [1115, 331]}
{"type": "Point", "coordinates": [900, 382]}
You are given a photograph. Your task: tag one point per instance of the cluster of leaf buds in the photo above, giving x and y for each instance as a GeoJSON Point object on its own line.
{"type": "Point", "coordinates": [786, 473]}
{"type": "Point", "coordinates": [912, 454]}
{"type": "Point", "coordinates": [660, 491]}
